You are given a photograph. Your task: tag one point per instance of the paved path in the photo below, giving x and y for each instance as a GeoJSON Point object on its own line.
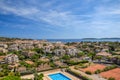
{"type": "Point", "coordinates": [46, 73]}
{"type": "Point", "coordinates": [93, 77]}
{"type": "Point", "coordinates": [31, 76]}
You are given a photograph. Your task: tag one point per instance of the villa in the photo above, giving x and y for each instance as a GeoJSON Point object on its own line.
{"type": "Point", "coordinates": [11, 59]}
{"type": "Point", "coordinates": [3, 50]}
{"type": "Point", "coordinates": [21, 69]}
{"type": "Point", "coordinates": [48, 49]}
{"type": "Point", "coordinates": [28, 53]}
{"type": "Point", "coordinates": [13, 47]}
{"type": "Point", "coordinates": [59, 52]}
{"type": "Point", "coordinates": [72, 51]}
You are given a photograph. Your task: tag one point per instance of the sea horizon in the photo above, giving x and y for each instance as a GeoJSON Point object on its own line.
{"type": "Point", "coordinates": [84, 40]}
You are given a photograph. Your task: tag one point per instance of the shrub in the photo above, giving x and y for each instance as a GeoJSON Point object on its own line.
{"type": "Point", "coordinates": [78, 75]}
{"type": "Point", "coordinates": [88, 72]}
{"type": "Point", "coordinates": [84, 66]}
{"type": "Point", "coordinates": [76, 67]}
{"type": "Point", "coordinates": [110, 67]}
{"type": "Point", "coordinates": [2, 74]}
{"type": "Point", "coordinates": [76, 63]}
{"type": "Point", "coordinates": [86, 78]}
{"type": "Point", "coordinates": [84, 61]}
{"type": "Point", "coordinates": [111, 78]}
{"type": "Point", "coordinates": [11, 78]}
{"type": "Point", "coordinates": [97, 71]}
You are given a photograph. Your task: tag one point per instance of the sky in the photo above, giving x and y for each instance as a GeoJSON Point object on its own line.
{"type": "Point", "coordinates": [60, 19]}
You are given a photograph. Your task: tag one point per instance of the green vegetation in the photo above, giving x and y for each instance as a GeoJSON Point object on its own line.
{"type": "Point", "coordinates": [11, 78]}
{"type": "Point", "coordinates": [92, 55]}
{"type": "Point", "coordinates": [82, 65]}
{"type": "Point", "coordinates": [111, 78]}
{"type": "Point", "coordinates": [6, 39]}
{"type": "Point", "coordinates": [52, 64]}
{"type": "Point", "coordinates": [78, 75]}
{"type": "Point", "coordinates": [110, 67]}
{"type": "Point", "coordinates": [26, 65]}
{"type": "Point", "coordinates": [98, 71]}
{"type": "Point", "coordinates": [66, 57]}
{"type": "Point", "coordinates": [38, 76]}
{"type": "Point", "coordinates": [83, 51]}
{"type": "Point", "coordinates": [80, 54]}
{"type": "Point", "coordinates": [88, 72]}
{"type": "Point", "coordinates": [38, 50]}
{"type": "Point", "coordinates": [76, 63]}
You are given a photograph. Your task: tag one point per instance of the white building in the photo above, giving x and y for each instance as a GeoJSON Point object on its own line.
{"type": "Point", "coordinates": [72, 51]}
{"type": "Point", "coordinates": [59, 52]}
{"type": "Point", "coordinates": [11, 59]}
{"type": "Point", "coordinates": [13, 47]}
{"type": "Point", "coordinates": [48, 49]}
{"type": "Point", "coordinates": [3, 46]}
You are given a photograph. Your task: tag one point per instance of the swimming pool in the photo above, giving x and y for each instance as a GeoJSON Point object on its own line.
{"type": "Point", "coordinates": [58, 76]}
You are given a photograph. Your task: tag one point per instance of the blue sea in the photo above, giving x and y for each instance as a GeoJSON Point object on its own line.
{"type": "Point", "coordinates": [83, 40]}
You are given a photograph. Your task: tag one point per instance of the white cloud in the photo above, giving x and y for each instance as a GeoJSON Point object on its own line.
{"type": "Point", "coordinates": [63, 18]}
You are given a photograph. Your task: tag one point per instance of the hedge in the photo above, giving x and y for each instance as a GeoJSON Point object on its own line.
{"type": "Point", "coordinates": [111, 78]}
{"type": "Point", "coordinates": [110, 67]}
{"type": "Point", "coordinates": [88, 72]}
{"type": "Point", "coordinates": [78, 75]}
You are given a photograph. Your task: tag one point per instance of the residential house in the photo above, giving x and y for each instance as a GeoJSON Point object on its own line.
{"type": "Point", "coordinates": [3, 50]}
{"type": "Point", "coordinates": [13, 47]}
{"type": "Point", "coordinates": [59, 52]}
{"type": "Point", "coordinates": [3, 46]}
{"type": "Point", "coordinates": [48, 49]}
{"type": "Point", "coordinates": [2, 59]}
{"type": "Point", "coordinates": [21, 69]}
{"type": "Point", "coordinates": [11, 59]}
{"type": "Point", "coordinates": [72, 51]}
{"type": "Point", "coordinates": [28, 53]}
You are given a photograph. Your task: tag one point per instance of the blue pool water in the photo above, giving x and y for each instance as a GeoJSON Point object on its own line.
{"type": "Point", "coordinates": [58, 76]}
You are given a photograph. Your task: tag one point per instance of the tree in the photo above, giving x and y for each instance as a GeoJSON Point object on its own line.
{"type": "Point", "coordinates": [1, 74]}
{"type": "Point", "coordinates": [80, 54]}
{"type": "Point", "coordinates": [38, 50]}
{"type": "Point", "coordinates": [38, 77]}
{"type": "Point", "coordinates": [17, 74]}
{"type": "Point", "coordinates": [66, 57]}
{"type": "Point", "coordinates": [99, 58]}
{"type": "Point", "coordinates": [21, 57]}
{"type": "Point", "coordinates": [35, 57]}
{"type": "Point", "coordinates": [35, 75]}
{"type": "Point", "coordinates": [92, 55]}
{"type": "Point", "coordinates": [11, 78]}
{"type": "Point", "coordinates": [11, 74]}
{"type": "Point", "coordinates": [37, 63]}
{"type": "Point", "coordinates": [1, 54]}
{"type": "Point", "coordinates": [111, 48]}
{"type": "Point", "coordinates": [49, 55]}
{"type": "Point", "coordinates": [5, 71]}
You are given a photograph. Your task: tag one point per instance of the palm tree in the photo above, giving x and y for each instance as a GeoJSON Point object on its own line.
{"type": "Point", "coordinates": [35, 75]}
{"type": "Point", "coordinates": [38, 77]}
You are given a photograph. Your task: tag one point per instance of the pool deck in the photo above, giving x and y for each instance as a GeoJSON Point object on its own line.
{"type": "Point", "coordinates": [46, 73]}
